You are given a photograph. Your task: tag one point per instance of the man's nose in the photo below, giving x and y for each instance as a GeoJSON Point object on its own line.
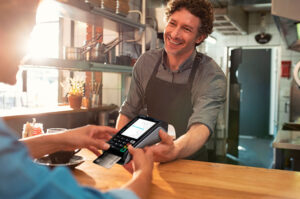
{"type": "Point", "coordinates": [175, 32]}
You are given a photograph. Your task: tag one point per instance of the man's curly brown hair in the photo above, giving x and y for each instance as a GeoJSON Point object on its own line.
{"type": "Point", "coordinates": [200, 8]}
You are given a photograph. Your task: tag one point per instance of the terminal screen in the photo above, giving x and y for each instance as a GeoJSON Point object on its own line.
{"type": "Point", "coordinates": [138, 128]}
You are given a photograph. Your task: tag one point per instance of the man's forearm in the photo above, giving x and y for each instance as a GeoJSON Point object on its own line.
{"type": "Point", "coordinates": [192, 141]}
{"type": "Point", "coordinates": [122, 121]}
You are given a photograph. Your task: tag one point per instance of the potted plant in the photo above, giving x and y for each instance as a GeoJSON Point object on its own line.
{"type": "Point", "coordinates": [75, 93]}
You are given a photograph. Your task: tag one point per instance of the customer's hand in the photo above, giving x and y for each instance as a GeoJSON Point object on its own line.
{"type": "Point", "coordinates": [141, 166]}
{"type": "Point", "coordinates": [142, 161]}
{"type": "Point", "coordinates": [91, 137]}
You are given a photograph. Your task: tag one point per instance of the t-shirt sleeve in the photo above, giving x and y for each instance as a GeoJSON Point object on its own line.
{"type": "Point", "coordinates": [208, 96]}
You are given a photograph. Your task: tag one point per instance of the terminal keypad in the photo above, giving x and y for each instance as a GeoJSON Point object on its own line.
{"type": "Point", "coordinates": [120, 143]}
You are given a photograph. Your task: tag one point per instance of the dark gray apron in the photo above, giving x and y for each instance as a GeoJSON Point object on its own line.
{"type": "Point", "coordinates": [172, 103]}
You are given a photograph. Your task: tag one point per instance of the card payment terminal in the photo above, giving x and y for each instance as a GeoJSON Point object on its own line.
{"type": "Point", "coordinates": [139, 132]}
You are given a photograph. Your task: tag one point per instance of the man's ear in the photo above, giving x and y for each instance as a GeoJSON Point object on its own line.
{"type": "Point", "coordinates": [200, 38]}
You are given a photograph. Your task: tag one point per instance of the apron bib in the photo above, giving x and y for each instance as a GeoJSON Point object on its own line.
{"type": "Point", "coordinates": [172, 103]}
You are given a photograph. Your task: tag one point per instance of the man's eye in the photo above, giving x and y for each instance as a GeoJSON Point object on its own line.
{"type": "Point", "coordinates": [187, 29]}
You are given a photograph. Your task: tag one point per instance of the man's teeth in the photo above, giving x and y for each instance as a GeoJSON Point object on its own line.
{"type": "Point", "coordinates": [173, 42]}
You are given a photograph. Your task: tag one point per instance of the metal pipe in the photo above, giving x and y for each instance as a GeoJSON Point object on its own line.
{"type": "Point", "coordinates": [143, 22]}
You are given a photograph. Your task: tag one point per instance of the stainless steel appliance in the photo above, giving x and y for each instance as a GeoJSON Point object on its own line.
{"type": "Point", "coordinates": [287, 18]}
{"type": "Point", "coordinates": [295, 96]}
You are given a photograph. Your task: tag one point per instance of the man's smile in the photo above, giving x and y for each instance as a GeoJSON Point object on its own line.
{"type": "Point", "coordinates": [174, 42]}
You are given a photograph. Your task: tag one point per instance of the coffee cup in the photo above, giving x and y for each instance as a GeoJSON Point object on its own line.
{"type": "Point", "coordinates": [62, 157]}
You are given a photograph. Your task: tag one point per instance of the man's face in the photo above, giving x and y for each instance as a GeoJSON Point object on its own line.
{"type": "Point", "coordinates": [181, 33]}
{"type": "Point", "coordinates": [14, 33]}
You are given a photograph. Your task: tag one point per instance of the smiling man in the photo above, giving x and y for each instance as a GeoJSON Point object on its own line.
{"type": "Point", "coordinates": [179, 85]}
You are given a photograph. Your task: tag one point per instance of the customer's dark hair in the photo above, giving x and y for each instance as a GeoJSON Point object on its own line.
{"type": "Point", "coordinates": [200, 8]}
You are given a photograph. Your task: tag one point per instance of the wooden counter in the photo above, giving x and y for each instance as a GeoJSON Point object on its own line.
{"type": "Point", "coordinates": [192, 179]}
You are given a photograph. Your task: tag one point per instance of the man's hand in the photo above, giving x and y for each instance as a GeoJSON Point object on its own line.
{"type": "Point", "coordinates": [184, 146]}
{"type": "Point", "coordinates": [165, 150]}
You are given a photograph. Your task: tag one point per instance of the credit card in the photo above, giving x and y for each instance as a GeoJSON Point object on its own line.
{"type": "Point", "coordinates": [107, 160]}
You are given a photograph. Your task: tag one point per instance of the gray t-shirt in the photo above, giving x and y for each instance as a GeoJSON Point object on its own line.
{"type": "Point", "coordinates": [208, 90]}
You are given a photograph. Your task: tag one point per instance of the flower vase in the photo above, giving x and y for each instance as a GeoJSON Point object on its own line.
{"type": "Point", "coordinates": [75, 101]}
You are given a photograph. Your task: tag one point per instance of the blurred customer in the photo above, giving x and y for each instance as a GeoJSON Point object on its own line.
{"type": "Point", "coordinates": [20, 177]}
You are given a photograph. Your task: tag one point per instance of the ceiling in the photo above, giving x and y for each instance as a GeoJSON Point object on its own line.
{"type": "Point", "coordinates": [231, 16]}
{"type": "Point", "coordinates": [246, 5]}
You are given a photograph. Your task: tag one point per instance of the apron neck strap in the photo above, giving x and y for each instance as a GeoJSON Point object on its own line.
{"type": "Point", "coordinates": [193, 71]}
{"type": "Point", "coordinates": [194, 68]}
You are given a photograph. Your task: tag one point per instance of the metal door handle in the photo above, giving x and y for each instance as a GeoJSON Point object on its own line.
{"type": "Point", "coordinates": [286, 106]}
{"type": "Point", "coordinates": [241, 95]}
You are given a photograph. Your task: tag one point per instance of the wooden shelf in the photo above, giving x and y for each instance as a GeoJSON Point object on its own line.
{"type": "Point", "coordinates": [33, 112]}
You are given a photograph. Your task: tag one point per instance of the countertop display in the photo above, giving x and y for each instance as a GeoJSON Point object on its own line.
{"type": "Point", "coordinates": [194, 179]}
{"type": "Point", "coordinates": [287, 140]}
{"type": "Point", "coordinates": [287, 146]}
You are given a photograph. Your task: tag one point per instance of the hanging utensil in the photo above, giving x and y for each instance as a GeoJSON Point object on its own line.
{"type": "Point", "coordinates": [99, 52]}
{"type": "Point", "coordinates": [90, 44]}
{"type": "Point", "coordinates": [96, 54]}
{"type": "Point", "coordinates": [78, 53]}
{"type": "Point", "coordinates": [112, 44]}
